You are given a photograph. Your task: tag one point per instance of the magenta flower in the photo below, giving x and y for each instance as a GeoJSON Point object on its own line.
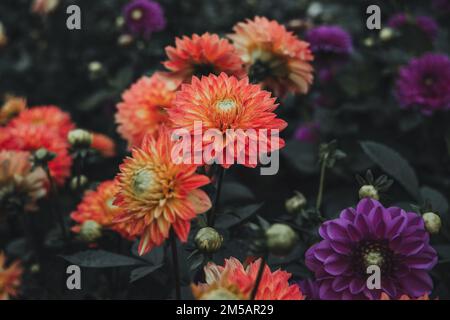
{"type": "Point", "coordinates": [307, 132]}
{"type": "Point", "coordinates": [426, 24]}
{"type": "Point", "coordinates": [330, 40]}
{"type": "Point", "coordinates": [425, 82]}
{"type": "Point", "coordinates": [392, 239]}
{"type": "Point", "coordinates": [143, 17]}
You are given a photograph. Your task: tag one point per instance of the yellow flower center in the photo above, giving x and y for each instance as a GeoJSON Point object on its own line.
{"type": "Point", "coordinates": [226, 105]}
{"type": "Point", "coordinates": [136, 14]}
{"type": "Point", "coordinates": [143, 180]}
{"type": "Point", "coordinates": [374, 258]}
{"type": "Point", "coordinates": [110, 205]}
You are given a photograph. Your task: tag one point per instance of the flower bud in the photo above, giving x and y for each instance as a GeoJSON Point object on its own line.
{"type": "Point", "coordinates": [90, 231]}
{"type": "Point", "coordinates": [208, 240]}
{"type": "Point", "coordinates": [368, 191]}
{"type": "Point", "coordinates": [125, 40]}
{"type": "Point", "coordinates": [296, 203]}
{"type": "Point", "coordinates": [78, 182]}
{"type": "Point", "coordinates": [369, 42]}
{"type": "Point", "coordinates": [386, 34]}
{"type": "Point", "coordinates": [432, 222]}
{"type": "Point", "coordinates": [41, 157]}
{"type": "Point", "coordinates": [11, 108]}
{"type": "Point", "coordinates": [80, 138]}
{"type": "Point", "coordinates": [95, 67]}
{"type": "Point", "coordinates": [281, 239]}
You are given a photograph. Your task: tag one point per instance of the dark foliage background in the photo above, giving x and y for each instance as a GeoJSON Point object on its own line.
{"type": "Point", "coordinates": [49, 64]}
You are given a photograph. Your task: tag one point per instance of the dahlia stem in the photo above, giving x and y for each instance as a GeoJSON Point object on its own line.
{"type": "Point", "coordinates": [212, 214]}
{"type": "Point", "coordinates": [258, 277]}
{"type": "Point", "coordinates": [80, 170]}
{"type": "Point", "coordinates": [321, 184]}
{"type": "Point", "coordinates": [54, 203]}
{"type": "Point", "coordinates": [176, 267]}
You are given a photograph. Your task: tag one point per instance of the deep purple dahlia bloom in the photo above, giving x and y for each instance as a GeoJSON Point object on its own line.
{"type": "Point", "coordinates": [143, 17]}
{"type": "Point", "coordinates": [309, 288]}
{"type": "Point", "coordinates": [394, 240]}
{"type": "Point", "coordinates": [307, 132]}
{"type": "Point", "coordinates": [426, 24]}
{"type": "Point", "coordinates": [331, 42]}
{"type": "Point", "coordinates": [425, 82]}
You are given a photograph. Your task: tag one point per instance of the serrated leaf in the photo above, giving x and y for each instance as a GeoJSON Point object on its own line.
{"type": "Point", "coordinates": [393, 164]}
{"type": "Point", "coordinates": [438, 201]}
{"type": "Point", "coordinates": [101, 259]}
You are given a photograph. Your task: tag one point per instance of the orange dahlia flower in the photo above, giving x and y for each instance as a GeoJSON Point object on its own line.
{"type": "Point", "coordinates": [157, 194]}
{"type": "Point", "coordinates": [18, 179]}
{"type": "Point", "coordinates": [32, 138]}
{"type": "Point", "coordinates": [241, 114]}
{"type": "Point", "coordinates": [49, 117]}
{"type": "Point", "coordinates": [384, 296]}
{"type": "Point", "coordinates": [10, 278]}
{"type": "Point", "coordinates": [202, 55]}
{"type": "Point", "coordinates": [234, 281]}
{"type": "Point", "coordinates": [103, 144]}
{"type": "Point", "coordinates": [97, 205]}
{"type": "Point", "coordinates": [274, 56]}
{"type": "Point", "coordinates": [11, 108]}
{"type": "Point", "coordinates": [144, 105]}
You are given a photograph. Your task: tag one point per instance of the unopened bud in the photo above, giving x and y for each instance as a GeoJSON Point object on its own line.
{"type": "Point", "coordinates": [281, 239]}
{"type": "Point", "coordinates": [369, 42]}
{"type": "Point", "coordinates": [432, 222]}
{"type": "Point", "coordinates": [125, 40]}
{"type": "Point", "coordinates": [368, 191]}
{"type": "Point", "coordinates": [80, 138]}
{"type": "Point", "coordinates": [296, 203]}
{"type": "Point", "coordinates": [90, 231]}
{"type": "Point", "coordinates": [41, 157]}
{"type": "Point", "coordinates": [95, 66]}
{"type": "Point", "coordinates": [208, 240]}
{"type": "Point", "coordinates": [35, 268]}
{"type": "Point", "coordinates": [386, 34]}
{"type": "Point", "coordinates": [78, 182]}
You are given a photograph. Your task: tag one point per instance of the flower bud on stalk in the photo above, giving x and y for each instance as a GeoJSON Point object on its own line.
{"type": "Point", "coordinates": [368, 191]}
{"type": "Point", "coordinates": [90, 231]}
{"type": "Point", "coordinates": [432, 222]}
{"type": "Point", "coordinates": [78, 182]}
{"type": "Point", "coordinates": [280, 239]}
{"type": "Point", "coordinates": [79, 138]}
{"type": "Point", "coordinates": [295, 204]}
{"type": "Point", "coordinates": [208, 240]}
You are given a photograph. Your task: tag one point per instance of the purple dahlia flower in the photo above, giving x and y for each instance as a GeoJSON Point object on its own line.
{"type": "Point", "coordinates": [424, 23]}
{"type": "Point", "coordinates": [330, 42]}
{"type": "Point", "coordinates": [308, 132]}
{"type": "Point", "coordinates": [392, 239]}
{"type": "Point", "coordinates": [143, 17]}
{"type": "Point", "coordinates": [425, 82]}
{"type": "Point", "coordinates": [309, 288]}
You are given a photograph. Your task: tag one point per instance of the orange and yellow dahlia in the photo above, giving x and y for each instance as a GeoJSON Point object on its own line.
{"type": "Point", "coordinates": [10, 278]}
{"type": "Point", "coordinates": [240, 114]}
{"type": "Point", "coordinates": [202, 55]}
{"type": "Point", "coordinates": [156, 194]}
{"type": "Point", "coordinates": [31, 138]}
{"type": "Point", "coordinates": [144, 105]}
{"type": "Point", "coordinates": [103, 144]}
{"type": "Point", "coordinates": [49, 117]}
{"type": "Point", "coordinates": [19, 180]}
{"type": "Point", "coordinates": [274, 56]}
{"type": "Point", "coordinates": [97, 205]}
{"type": "Point", "coordinates": [11, 108]}
{"type": "Point", "coordinates": [234, 281]}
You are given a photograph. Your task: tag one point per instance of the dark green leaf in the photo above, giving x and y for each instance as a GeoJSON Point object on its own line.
{"type": "Point", "coordinates": [141, 272]}
{"type": "Point", "coordinates": [101, 259]}
{"type": "Point", "coordinates": [236, 216]}
{"type": "Point", "coordinates": [394, 164]}
{"type": "Point", "coordinates": [438, 202]}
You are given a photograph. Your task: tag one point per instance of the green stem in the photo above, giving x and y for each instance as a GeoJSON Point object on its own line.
{"type": "Point", "coordinates": [321, 184]}
{"type": "Point", "coordinates": [176, 268]}
{"type": "Point", "coordinates": [54, 205]}
{"type": "Point", "coordinates": [212, 214]}
{"type": "Point", "coordinates": [258, 277]}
